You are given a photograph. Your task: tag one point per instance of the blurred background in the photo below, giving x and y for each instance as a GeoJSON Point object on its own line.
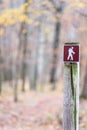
{"type": "Point", "coordinates": [32, 36]}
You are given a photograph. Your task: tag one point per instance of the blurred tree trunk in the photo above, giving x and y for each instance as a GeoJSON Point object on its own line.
{"type": "Point", "coordinates": [34, 58]}
{"type": "Point", "coordinates": [33, 71]}
{"type": "Point", "coordinates": [55, 54]}
{"type": "Point", "coordinates": [24, 65]}
{"type": "Point", "coordinates": [2, 61]}
{"type": "Point", "coordinates": [1, 49]}
{"type": "Point", "coordinates": [37, 67]}
{"type": "Point", "coordinates": [23, 41]}
{"type": "Point", "coordinates": [0, 84]}
{"type": "Point", "coordinates": [56, 45]}
{"type": "Point", "coordinates": [84, 89]}
{"type": "Point", "coordinates": [41, 52]}
{"type": "Point", "coordinates": [25, 45]}
{"type": "Point", "coordinates": [17, 66]}
{"type": "Point", "coordinates": [1, 74]}
{"type": "Point", "coordinates": [0, 68]}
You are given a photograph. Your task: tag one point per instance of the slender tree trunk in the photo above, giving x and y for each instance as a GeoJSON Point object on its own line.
{"type": "Point", "coordinates": [33, 72]}
{"type": "Point", "coordinates": [25, 45]}
{"type": "Point", "coordinates": [33, 69]}
{"type": "Point", "coordinates": [1, 64]}
{"type": "Point", "coordinates": [59, 9]}
{"type": "Point", "coordinates": [55, 54]}
{"type": "Point", "coordinates": [16, 82]}
{"type": "Point", "coordinates": [84, 90]}
{"type": "Point", "coordinates": [41, 53]}
{"type": "Point", "coordinates": [18, 60]}
{"type": "Point", "coordinates": [17, 68]}
{"type": "Point", "coordinates": [24, 66]}
{"type": "Point", "coordinates": [0, 81]}
{"type": "Point", "coordinates": [1, 76]}
{"type": "Point", "coordinates": [17, 65]}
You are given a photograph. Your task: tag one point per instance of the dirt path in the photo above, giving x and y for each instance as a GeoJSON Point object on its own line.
{"type": "Point", "coordinates": [34, 111]}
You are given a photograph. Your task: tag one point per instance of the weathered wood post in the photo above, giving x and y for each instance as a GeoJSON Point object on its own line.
{"type": "Point", "coordinates": [71, 86]}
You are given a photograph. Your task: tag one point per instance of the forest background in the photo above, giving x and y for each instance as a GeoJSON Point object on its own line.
{"type": "Point", "coordinates": [32, 36]}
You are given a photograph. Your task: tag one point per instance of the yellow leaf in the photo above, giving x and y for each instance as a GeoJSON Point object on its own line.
{"type": "Point", "coordinates": [22, 18]}
{"type": "Point", "coordinates": [81, 5]}
{"type": "Point", "coordinates": [12, 21]}
{"type": "Point", "coordinates": [76, 4]}
{"type": "Point", "coordinates": [30, 21]}
{"type": "Point", "coordinates": [2, 20]}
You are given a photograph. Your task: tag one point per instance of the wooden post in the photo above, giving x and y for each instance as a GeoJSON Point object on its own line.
{"type": "Point", "coordinates": [71, 88]}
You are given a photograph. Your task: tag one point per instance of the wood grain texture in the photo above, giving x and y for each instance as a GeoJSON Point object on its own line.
{"type": "Point", "coordinates": [71, 96]}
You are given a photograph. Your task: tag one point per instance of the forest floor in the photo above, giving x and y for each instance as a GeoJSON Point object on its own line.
{"type": "Point", "coordinates": [36, 111]}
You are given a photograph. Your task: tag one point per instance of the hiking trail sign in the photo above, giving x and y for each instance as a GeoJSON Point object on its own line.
{"type": "Point", "coordinates": [71, 86]}
{"type": "Point", "coordinates": [71, 53]}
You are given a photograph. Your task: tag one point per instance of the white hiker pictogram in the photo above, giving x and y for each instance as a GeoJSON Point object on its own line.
{"type": "Point", "coordinates": [70, 53]}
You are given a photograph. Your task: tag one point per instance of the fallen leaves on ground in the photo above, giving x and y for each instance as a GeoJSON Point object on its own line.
{"type": "Point", "coordinates": [36, 111]}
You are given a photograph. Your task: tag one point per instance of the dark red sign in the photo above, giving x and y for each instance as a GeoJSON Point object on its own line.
{"type": "Point", "coordinates": [71, 53]}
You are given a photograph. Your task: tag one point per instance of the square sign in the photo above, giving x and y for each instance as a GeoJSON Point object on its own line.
{"type": "Point", "coordinates": [71, 53]}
